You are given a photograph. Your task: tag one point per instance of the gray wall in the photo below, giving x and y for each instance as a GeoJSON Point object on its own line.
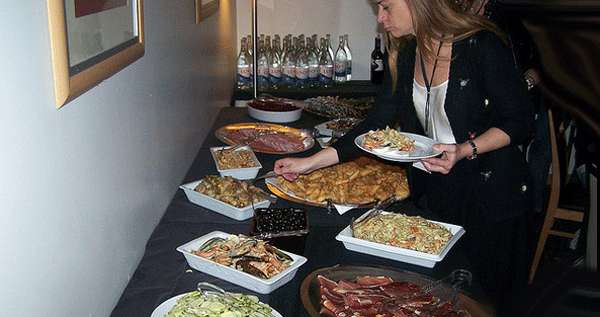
{"type": "Point", "coordinates": [81, 188]}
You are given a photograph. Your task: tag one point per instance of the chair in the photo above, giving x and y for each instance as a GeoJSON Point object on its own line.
{"type": "Point", "coordinates": [553, 211]}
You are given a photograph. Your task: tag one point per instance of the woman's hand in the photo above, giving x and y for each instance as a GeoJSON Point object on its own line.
{"type": "Point", "coordinates": [290, 168]}
{"type": "Point", "coordinates": [451, 153]}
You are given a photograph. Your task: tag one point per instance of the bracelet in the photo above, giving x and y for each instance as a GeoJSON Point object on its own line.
{"type": "Point", "coordinates": [473, 148]}
{"type": "Point", "coordinates": [529, 81]}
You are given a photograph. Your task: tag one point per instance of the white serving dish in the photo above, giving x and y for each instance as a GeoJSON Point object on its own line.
{"type": "Point", "coordinates": [275, 116]}
{"type": "Point", "coordinates": [163, 309]}
{"type": "Point", "coordinates": [234, 276]}
{"type": "Point", "coordinates": [238, 173]}
{"type": "Point", "coordinates": [396, 253]}
{"type": "Point", "coordinates": [218, 206]}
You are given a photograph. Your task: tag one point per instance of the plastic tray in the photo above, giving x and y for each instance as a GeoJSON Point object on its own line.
{"type": "Point", "coordinates": [238, 173]}
{"type": "Point", "coordinates": [234, 276]}
{"type": "Point", "coordinates": [396, 253]}
{"type": "Point", "coordinates": [218, 206]}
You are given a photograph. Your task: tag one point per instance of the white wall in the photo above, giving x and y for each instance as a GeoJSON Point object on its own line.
{"type": "Point", "coordinates": [354, 17]}
{"type": "Point", "coordinates": [81, 188]}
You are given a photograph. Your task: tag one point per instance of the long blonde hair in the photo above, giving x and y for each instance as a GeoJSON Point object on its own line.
{"type": "Point", "coordinates": [437, 20]}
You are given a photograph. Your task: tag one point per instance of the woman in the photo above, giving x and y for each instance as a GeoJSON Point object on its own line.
{"type": "Point", "coordinates": [477, 110]}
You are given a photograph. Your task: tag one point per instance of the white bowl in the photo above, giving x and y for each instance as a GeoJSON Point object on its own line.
{"type": "Point", "coordinates": [399, 254]}
{"type": "Point", "coordinates": [251, 282]}
{"type": "Point", "coordinates": [163, 309]}
{"type": "Point", "coordinates": [238, 173]}
{"type": "Point", "coordinates": [218, 206]}
{"type": "Point", "coordinates": [275, 116]}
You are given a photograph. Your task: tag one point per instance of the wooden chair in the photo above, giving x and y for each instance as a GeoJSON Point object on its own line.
{"type": "Point", "coordinates": [553, 211]}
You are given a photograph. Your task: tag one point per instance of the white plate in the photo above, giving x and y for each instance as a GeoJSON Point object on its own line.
{"type": "Point", "coordinates": [423, 149]}
{"type": "Point", "coordinates": [163, 309]}
{"type": "Point", "coordinates": [251, 282]}
{"type": "Point", "coordinates": [218, 206]}
{"type": "Point", "coordinates": [399, 254]}
{"type": "Point", "coordinates": [275, 116]}
{"type": "Point", "coordinates": [237, 173]}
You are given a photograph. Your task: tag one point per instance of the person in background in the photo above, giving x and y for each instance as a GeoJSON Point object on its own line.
{"type": "Point", "coordinates": [478, 110]}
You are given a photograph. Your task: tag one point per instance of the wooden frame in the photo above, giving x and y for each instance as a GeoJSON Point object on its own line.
{"type": "Point", "coordinates": [69, 84]}
{"type": "Point", "coordinates": [205, 8]}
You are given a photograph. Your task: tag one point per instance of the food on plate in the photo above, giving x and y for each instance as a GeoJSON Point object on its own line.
{"type": "Point", "coordinates": [342, 125]}
{"type": "Point", "coordinates": [380, 296]}
{"type": "Point", "coordinates": [196, 304]}
{"type": "Point", "coordinates": [272, 104]}
{"type": "Point", "coordinates": [388, 138]}
{"type": "Point", "coordinates": [361, 181]}
{"type": "Point", "coordinates": [409, 232]}
{"type": "Point", "coordinates": [266, 139]}
{"type": "Point", "coordinates": [280, 220]}
{"type": "Point", "coordinates": [253, 256]}
{"type": "Point", "coordinates": [336, 107]}
{"type": "Point", "coordinates": [230, 191]}
{"type": "Point", "coordinates": [232, 159]}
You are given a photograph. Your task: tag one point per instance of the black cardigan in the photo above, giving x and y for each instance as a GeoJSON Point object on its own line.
{"type": "Point", "coordinates": [485, 90]}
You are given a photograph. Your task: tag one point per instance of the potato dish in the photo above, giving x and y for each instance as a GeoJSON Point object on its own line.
{"type": "Point", "coordinates": [227, 159]}
{"type": "Point", "coordinates": [358, 182]}
{"type": "Point", "coordinates": [414, 233]}
{"type": "Point", "coordinates": [230, 190]}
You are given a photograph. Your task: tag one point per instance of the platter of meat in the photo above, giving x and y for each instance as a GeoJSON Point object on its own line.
{"type": "Point", "coordinates": [266, 137]}
{"type": "Point", "coordinates": [361, 291]}
{"type": "Point", "coordinates": [272, 109]}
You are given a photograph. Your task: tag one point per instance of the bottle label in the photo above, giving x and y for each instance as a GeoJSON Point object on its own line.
{"type": "Point", "coordinates": [244, 71]}
{"type": "Point", "coordinates": [313, 73]}
{"type": "Point", "coordinates": [349, 67]}
{"type": "Point", "coordinates": [289, 71]}
{"type": "Point", "coordinates": [275, 72]}
{"type": "Point", "coordinates": [302, 73]}
{"type": "Point", "coordinates": [340, 68]}
{"type": "Point", "coordinates": [377, 65]}
{"type": "Point", "coordinates": [325, 73]}
{"type": "Point", "coordinates": [263, 71]}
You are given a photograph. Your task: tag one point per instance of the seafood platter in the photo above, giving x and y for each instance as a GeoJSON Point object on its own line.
{"type": "Point", "coordinates": [362, 182]}
{"type": "Point", "coordinates": [272, 109]}
{"type": "Point", "coordinates": [409, 239]}
{"type": "Point", "coordinates": [246, 261]}
{"type": "Point", "coordinates": [238, 162]}
{"type": "Point", "coordinates": [379, 291]}
{"type": "Point", "coordinates": [393, 145]}
{"type": "Point", "coordinates": [266, 137]}
{"type": "Point", "coordinates": [198, 303]}
{"type": "Point", "coordinates": [226, 195]}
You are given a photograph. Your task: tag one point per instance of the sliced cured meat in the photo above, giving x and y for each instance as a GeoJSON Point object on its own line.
{"type": "Point", "coordinates": [364, 301]}
{"type": "Point", "coordinates": [400, 289]}
{"type": "Point", "coordinates": [327, 283]}
{"type": "Point", "coordinates": [349, 285]}
{"type": "Point", "coordinates": [330, 295]}
{"type": "Point", "coordinates": [374, 281]}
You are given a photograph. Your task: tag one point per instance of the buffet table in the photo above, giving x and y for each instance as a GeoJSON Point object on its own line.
{"type": "Point", "coordinates": [163, 272]}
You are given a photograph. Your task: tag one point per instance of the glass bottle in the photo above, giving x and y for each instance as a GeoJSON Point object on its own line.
{"type": "Point", "coordinates": [288, 65]}
{"type": "Point", "coordinates": [377, 62]}
{"type": "Point", "coordinates": [340, 62]}
{"type": "Point", "coordinates": [262, 66]}
{"type": "Point", "coordinates": [348, 58]}
{"type": "Point", "coordinates": [325, 67]}
{"type": "Point", "coordinates": [313, 64]}
{"type": "Point", "coordinates": [275, 65]}
{"type": "Point", "coordinates": [302, 67]}
{"type": "Point", "coordinates": [244, 80]}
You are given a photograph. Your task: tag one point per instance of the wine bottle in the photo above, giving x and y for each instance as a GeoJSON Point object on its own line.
{"type": "Point", "coordinates": [377, 62]}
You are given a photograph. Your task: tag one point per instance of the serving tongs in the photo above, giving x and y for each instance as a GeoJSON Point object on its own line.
{"type": "Point", "coordinates": [376, 211]}
{"type": "Point", "coordinates": [208, 289]}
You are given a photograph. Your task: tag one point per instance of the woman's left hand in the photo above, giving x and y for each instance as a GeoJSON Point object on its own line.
{"type": "Point", "coordinates": [450, 155]}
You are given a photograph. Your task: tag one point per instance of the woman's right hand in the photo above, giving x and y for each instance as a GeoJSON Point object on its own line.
{"type": "Point", "coordinates": [291, 167]}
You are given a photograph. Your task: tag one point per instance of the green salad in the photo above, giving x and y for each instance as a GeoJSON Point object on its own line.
{"type": "Point", "coordinates": [195, 304]}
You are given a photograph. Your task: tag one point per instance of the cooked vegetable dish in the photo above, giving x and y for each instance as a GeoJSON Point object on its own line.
{"type": "Point", "coordinates": [388, 138]}
{"type": "Point", "coordinates": [196, 304]}
{"type": "Point", "coordinates": [227, 159]}
{"type": "Point", "coordinates": [230, 191]}
{"type": "Point", "coordinates": [415, 233]}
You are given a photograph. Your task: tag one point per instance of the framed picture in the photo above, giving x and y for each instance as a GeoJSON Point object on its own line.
{"type": "Point", "coordinates": [92, 40]}
{"type": "Point", "coordinates": [205, 8]}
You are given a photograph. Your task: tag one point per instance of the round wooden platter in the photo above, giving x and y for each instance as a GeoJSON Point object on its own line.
{"type": "Point", "coordinates": [311, 299]}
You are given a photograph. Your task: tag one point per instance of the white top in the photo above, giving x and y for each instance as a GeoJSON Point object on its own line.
{"type": "Point", "coordinates": [439, 126]}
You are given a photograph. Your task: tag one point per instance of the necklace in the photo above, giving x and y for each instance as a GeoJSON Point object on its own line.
{"type": "Point", "coordinates": [428, 83]}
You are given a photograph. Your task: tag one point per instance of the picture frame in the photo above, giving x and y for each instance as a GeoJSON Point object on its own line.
{"type": "Point", "coordinates": [205, 8]}
{"type": "Point", "coordinates": [91, 41]}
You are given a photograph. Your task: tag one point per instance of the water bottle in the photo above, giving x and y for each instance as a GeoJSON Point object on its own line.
{"type": "Point", "coordinates": [313, 64]}
{"type": "Point", "coordinates": [302, 67]}
{"type": "Point", "coordinates": [325, 67]}
{"type": "Point", "coordinates": [340, 62]}
{"type": "Point", "coordinates": [244, 80]}
{"type": "Point", "coordinates": [289, 66]}
{"type": "Point", "coordinates": [275, 65]}
{"type": "Point", "coordinates": [262, 67]}
{"type": "Point", "coordinates": [348, 58]}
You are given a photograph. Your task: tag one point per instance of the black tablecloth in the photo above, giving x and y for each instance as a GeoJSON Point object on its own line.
{"type": "Point", "coordinates": [163, 272]}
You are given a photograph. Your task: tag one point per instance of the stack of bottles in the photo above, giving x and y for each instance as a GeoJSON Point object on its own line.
{"type": "Point", "coordinates": [300, 63]}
